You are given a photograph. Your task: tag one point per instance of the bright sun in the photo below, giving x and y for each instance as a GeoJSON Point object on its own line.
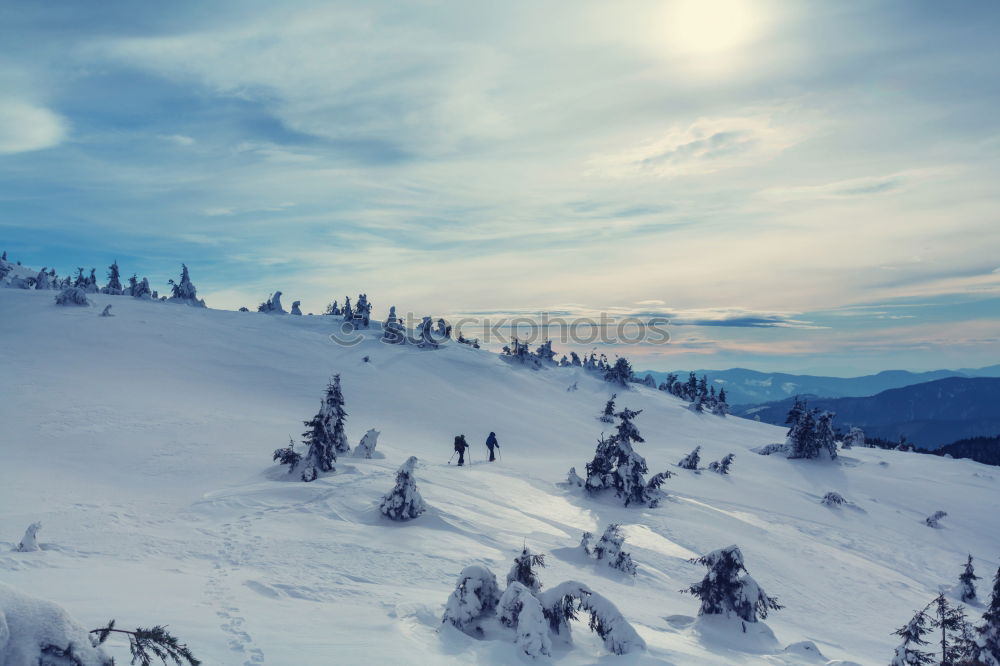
{"type": "Point", "coordinates": [705, 27]}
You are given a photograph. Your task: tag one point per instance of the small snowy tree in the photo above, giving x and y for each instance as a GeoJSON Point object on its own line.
{"type": "Point", "coordinates": [953, 626]}
{"type": "Point", "coordinates": [854, 438]}
{"type": "Point", "coordinates": [142, 290]}
{"type": "Point", "coordinates": [114, 286]}
{"type": "Point", "coordinates": [523, 570]}
{"type": "Point", "coordinates": [933, 520]}
{"type": "Point", "coordinates": [29, 542]}
{"type": "Point", "coordinates": [824, 436]}
{"type": "Point", "coordinates": [288, 456]}
{"type": "Point", "coordinates": [691, 460]}
{"type": "Point", "coordinates": [967, 581]}
{"type": "Point", "coordinates": [573, 479]}
{"type": "Point", "coordinates": [562, 603]}
{"type": "Point", "coordinates": [725, 590]}
{"type": "Point", "coordinates": [403, 502]}
{"type": "Point", "coordinates": [272, 305]}
{"type": "Point", "coordinates": [362, 312]}
{"type": "Point", "coordinates": [72, 296]}
{"type": "Point", "coordinates": [722, 466]}
{"type": "Point", "coordinates": [295, 308]}
{"type": "Point", "coordinates": [43, 281]}
{"type": "Point", "coordinates": [617, 466]}
{"type": "Point", "coordinates": [833, 499]}
{"type": "Point", "coordinates": [475, 597]}
{"type": "Point", "coordinates": [185, 291]}
{"type": "Point", "coordinates": [326, 436]}
{"type": "Point", "coordinates": [609, 410]}
{"type": "Point", "coordinates": [426, 334]}
{"type": "Point", "coordinates": [393, 331]}
{"type": "Point", "coordinates": [521, 611]}
{"type": "Point", "coordinates": [802, 437]}
{"type": "Point", "coordinates": [608, 549]}
{"type": "Point", "coordinates": [620, 373]}
{"type": "Point", "coordinates": [366, 447]}
{"type": "Point", "coordinates": [545, 353]}
{"type": "Point", "coordinates": [909, 653]}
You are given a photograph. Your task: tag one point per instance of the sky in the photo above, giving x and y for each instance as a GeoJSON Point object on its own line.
{"type": "Point", "coordinates": [798, 187]}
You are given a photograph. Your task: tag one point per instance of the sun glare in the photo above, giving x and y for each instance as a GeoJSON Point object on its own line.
{"type": "Point", "coordinates": [708, 27]}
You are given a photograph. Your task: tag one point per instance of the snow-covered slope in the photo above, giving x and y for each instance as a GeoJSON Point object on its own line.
{"type": "Point", "coordinates": [143, 443]}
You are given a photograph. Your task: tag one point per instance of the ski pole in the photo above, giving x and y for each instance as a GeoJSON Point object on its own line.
{"type": "Point", "coordinates": [452, 457]}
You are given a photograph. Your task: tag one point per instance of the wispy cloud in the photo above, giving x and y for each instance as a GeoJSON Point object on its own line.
{"type": "Point", "coordinates": [26, 127]}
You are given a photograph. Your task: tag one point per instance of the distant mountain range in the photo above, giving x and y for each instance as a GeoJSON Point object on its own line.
{"type": "Point", "coordinates": [930, 414]}
{"type": "Point", "coordinates": [750, 387]}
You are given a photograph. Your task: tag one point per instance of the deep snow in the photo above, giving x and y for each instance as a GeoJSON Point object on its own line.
{"type": "Point", "coordinates": [143, 444]}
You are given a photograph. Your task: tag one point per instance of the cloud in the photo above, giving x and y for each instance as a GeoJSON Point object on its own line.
{"type": "Point", "coordinates": [706, 146]}
{"type": "Point", "coordinates": [855, 187]}
{"type": "Point", "coordinates": [25, 127]}
{"type": "Point", "coordinates": [179, 139]}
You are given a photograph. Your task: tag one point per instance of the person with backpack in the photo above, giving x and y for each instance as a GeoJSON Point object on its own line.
{"type": "Point", "coordinates": [460, 446]}
{"type": "Point", "coordinates": [491, 444]}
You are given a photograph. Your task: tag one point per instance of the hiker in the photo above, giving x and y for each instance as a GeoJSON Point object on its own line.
{"type": "Point", "coordinates": [460, 446]}
{"type": "Point", "coordinates": [491, 444]}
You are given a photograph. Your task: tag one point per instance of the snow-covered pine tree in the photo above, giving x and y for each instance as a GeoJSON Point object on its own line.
{"type": "Point", "coordinates": [362, 312]}
{"type": "Point", "coordinates": [91, 285]}
{"type": "Point", "coordinates": [185, 291]}
{"type": "Point", "coordinates": [288, 456]}
{"type": "Point", "coordinates": [726, 591]}
{"type": "Point", "coordinates": [29, 542]}
{"type": "Point", "coordinates": [295, 308]}
{"type": "Point", "coordinates": [545, 354]}
{"type": "Point", "coordinates": [332, 309]}
{"type": "Point", "coordinates": [824, 437]}
{"type": "Point", "coordinates": [133, 282]}
{"type": "Point", "coordinates": [43, 281]}
{"type": "Point", "coordinates": [426, 333]}
{"type": "Point", "coordinates": [967, 581]}
{"type": "Point", "coordinates": [802, 437]}
{"type": "Point", "coordinates": [403, 502]}
{"type": "Point", "coordinates": [617, 466]}
{"type": "Point", "coordinates": [620, 373]}
{"type": "Point", "coordinates": [523, 570]}
{"type": "Point", "coordinates": [720, 407]}
{"type": "Point", "coordinates": [393, 332]}
{"type": "Point", "coordinates": [987, 647]}
{"type": "Point", "coordinates": [143, 290]}
{"type": "Point", "coordinates": [797, 410]}
{"type": "Point", "coordinates": [953, 626]}
{"type": "Point", "coordinates": [326, 436]}
{"type": "Point", "coordinates": [574, 359]}
{"type": "Point", "coordinates": [562, 602]}
{"type": "Point", "coordinates": [722, 466]}
{"type": "Point", "coordinates": [691, 460]}
{"type": "Point", "coordinates": [114, 286]}
{"type": "Point", "coordinates": [608, 549]}
{"type": "Point", "coordinates": [609, 410]}
{"type": "Point", "coordinates": [522, 611]}
{"type": "Point", "coordinates": [909, 653]}
{"type": "Point", "coordinates": [475, 597]}
{"type": "Point", "coordinates": [348, 311]}
{"type": "Point", "coordinates": [855, 437]}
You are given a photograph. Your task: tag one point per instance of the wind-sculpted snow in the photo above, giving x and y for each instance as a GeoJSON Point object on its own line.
{"type": "Point", "coordinates": [143, 442]}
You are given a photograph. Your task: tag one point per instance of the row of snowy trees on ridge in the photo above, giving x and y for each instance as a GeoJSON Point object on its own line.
{"type": "Point", "coordinates": [696, 391]}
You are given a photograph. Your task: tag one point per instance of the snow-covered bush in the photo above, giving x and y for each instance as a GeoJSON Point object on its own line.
{"type": "Point", "coordinates": [523, 570]}
{"type": "Point", "coordinates": [295, 308]}
{"type": "Point", "coordinates": [43, 281]}
{"type": "Point", "coordinates": [72, 296]}
{"type": "Point", "coordinates": [142, 290]}
{"type": "Point", "coordinates": [855, 437]}
{"type": "Point", "coordinates": [106, 312]}
{"type": "Point", "coordinates": [272, 305]}
{"type": "Point", "coordinates": [562, 602]}
{"type": "Point", "coordinates": [770, 449]}
{"type": "Point", "coordinates": [476, 596]}
{"type": "Point", "coordinates": [29, 542]}
{"type": "Point", "coordinates": [573, 479]}
{"type": "Point", "coordinates": [403, 502]}
{"type": "Point", "coordinates": [725, 590]}
{"type": "Point", "coordinates": [288, 456]}
{"type": "Point", "coordinates": [608, 549]}
{"type": "Point", "coordinates": [722, 466]}
{"type": "Point", "coordinates": [691, 460]}
{"type": "Point", "coordinates": [522, 611]}
{"type": "Point", "coordinates": [38, 632]}
{"type": "Point", "coordinates": [366, 447]}
{"type": "Point", "coordinates": [833, 499]}
{"type": "Point", "coordinates": [933, 520]}
{"type": "Point", "coordinates": [426, 337]}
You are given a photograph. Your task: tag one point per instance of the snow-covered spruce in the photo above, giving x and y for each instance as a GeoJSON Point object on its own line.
{"type": "Point", "coordinates": [43, 281]}
{"type": "Point", "coordinates": [185, 291]}
{"type": "Point", "coordinates": [620, 373]}
{"type": "Point", "coordinates": [934, 519]}
{"type": "Point", "coordinates": [608, 416]}
{"type": "Point", "coordinates": [725, 590]}
{"type": "Point", "coordinates": [288, 456]}
{"type": "Point", "coordinates": [475, 597]}
{"type": "Point", "coordinates": [272, 305]}
{"type": "Point", "coordinates": [608, 549]}
{"type": "Point", "coordinates": [142, 290]}
{"type": "Point", "coordinates": [326, 436]}
{"type": "Point", "coordinates": [562, 602]}
{"type": "Point", "coordinates": [522, 611]}
{"type": "Point", "coordinates": [403, 502]}
{"type": "Point", "coordinates": [913, 632]}
{"type": "Point", "coordinates": [854, 438]}
{"type": "Point", "coordinates": [35, 631]}
{"type": "Point", "coordinates": [114, 286]}
{"type": "Point", "coordinates": [29, 542]}
{"type": "Point", "coordinates": [722, 466]}
{"type": "Point", "coordinates": [691, 460]}
{"type": "Point", "coordinates": [362, 312]}
{"type": "Point", "coordinates": [523, 570]}
{"type": "Point", "coordinates": [393, 331]}
{"type": "Point", "coordinates": [426, 338]}
{"type": "Point", "coordinates": [366, 447]}
{"type": "Point", "coordinates": [617, 466]}
{"type": "Point", "coordinates": [72, 296]}
{"type": "Point", "coordinates": [987, 644]}
{"type": "Point", "coordinates": [967, 582]}
{"type": "Point", "coordinates": [811, 433]}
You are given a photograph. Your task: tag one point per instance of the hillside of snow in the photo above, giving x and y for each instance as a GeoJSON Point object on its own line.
{"type": "Point", "coordinates": [143, 444]}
